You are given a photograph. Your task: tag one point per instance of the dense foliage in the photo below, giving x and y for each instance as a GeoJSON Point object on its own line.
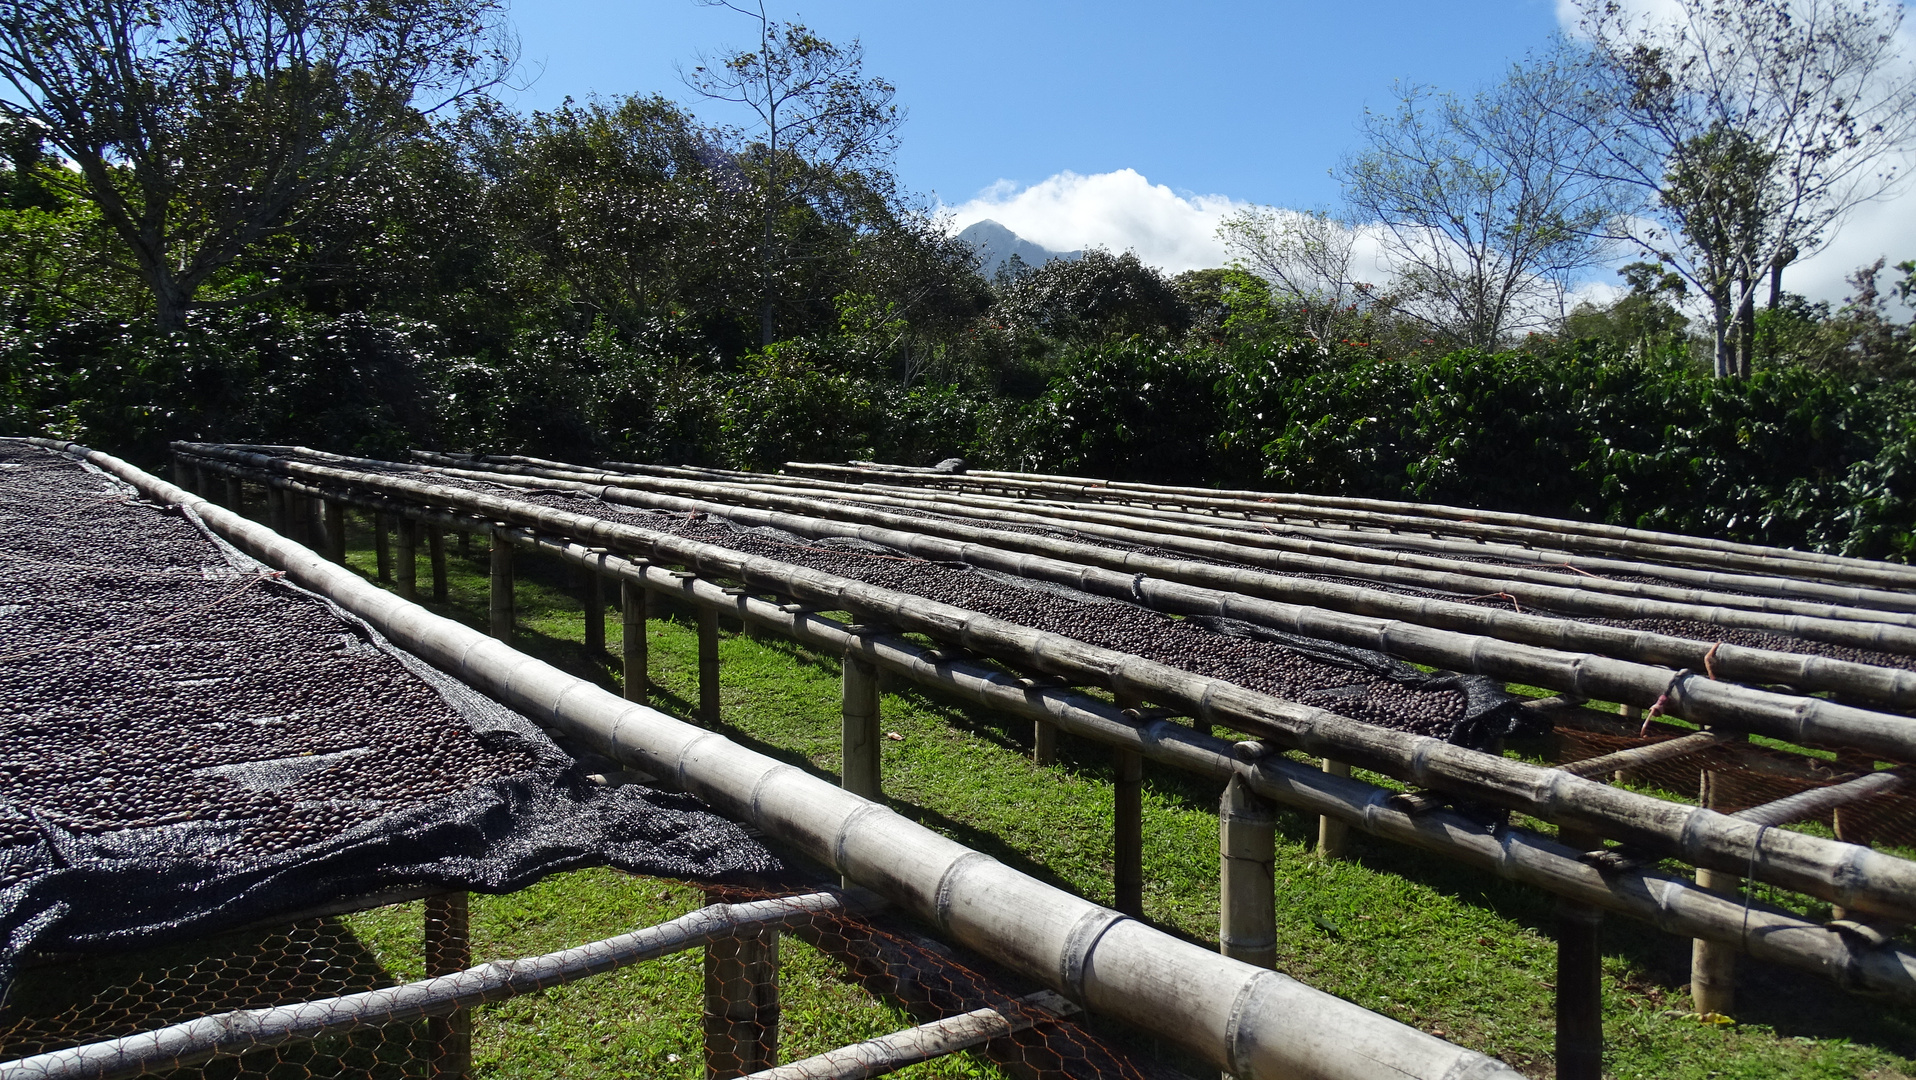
{"type": "Point", "coordinates": [591, 283]}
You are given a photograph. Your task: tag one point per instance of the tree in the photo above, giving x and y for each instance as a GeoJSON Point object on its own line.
{"type": "Point", "coordinates": [201, 127]}
{"type": "Point", "coordinates": [819, 118]}
{"type": "Point", "coordinates": [1751, 127]}
{"type": "Point", "coordinates": [1643, 319]}
{"type": "Point", "coordinates": [1486, 215]}
{"type": "Point", "coordinates": [1308, 259]}
{"type": "Point", "coordinates": [1097, 297]}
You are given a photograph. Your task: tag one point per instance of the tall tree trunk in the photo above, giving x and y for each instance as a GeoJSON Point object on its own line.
{"type": "Point", "coordinates": [1746, 328]}
{"type": "Point", "coordinates": [1724, 365]}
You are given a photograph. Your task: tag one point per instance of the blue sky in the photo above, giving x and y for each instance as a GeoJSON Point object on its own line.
{"type": "Point", "coordinates": [1120, 123]}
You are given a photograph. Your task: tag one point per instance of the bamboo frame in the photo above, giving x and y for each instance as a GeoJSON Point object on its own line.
{"type": "Point", "coordinates": [1841, 873]}
{"type": "Point", "coordinates": [1235, 1016]}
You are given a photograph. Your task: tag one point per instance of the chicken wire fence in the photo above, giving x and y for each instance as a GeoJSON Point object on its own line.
{"type": "Point", "coordinates": [805, 978]}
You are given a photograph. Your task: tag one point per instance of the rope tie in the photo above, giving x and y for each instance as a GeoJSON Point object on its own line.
{"type": "Point", "coordinates": [1663, 701]}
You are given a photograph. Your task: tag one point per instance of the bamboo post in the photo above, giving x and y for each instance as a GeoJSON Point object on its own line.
{"type": "Point", "coordinates": [1843, 822]}
{"type": "Point", "coordinates": [1247, 853]}
{"type": "Point", "coordinates": [406, 563]}
{"type": "Point", "coordinates": [235, 494]}
{"type": "Point", "coordinates": [296, 516]}
{"type": "Point", "coordinates": [1579, 1043]}
{"type": "Point", "coordinates": [1044, 742]}
{"type": "Point", "coordinates": [594, 613]}
{"type": "Point", "coordinates": [382, 550]}
{"type": "Point", "coordinates": [859, 694]}
{"type": "Point", "coordinates": [1127, 823]}
{"type": "Point", "coordinates": [633, 600]}
{"type": "Point", "coordinates": [448, 948]}
{"type": "Point", "coordinates": [741, 1005]}
{"type": "Point", "coordinates": [465, 545]}
{"type": "Point", "coordinates": [1713, 963]}
{"type": "Point", "coordinates": [436, 548]}
{"type": "Point", "coordinates": [335, 512]}
{"type": "Point", "coordinates": [708, 667]}
{"type": "Point", "coordinates": [276, 509]}
{"type": "Point", "coordinates": [1333, 836]}
{"type": "Point", "coordinates": [501, 606]}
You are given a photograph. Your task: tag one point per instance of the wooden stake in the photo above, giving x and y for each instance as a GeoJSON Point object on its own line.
{"type": "Point", "coordinates": [436, 547]}
{"type": "Point", "coordinates": [276, 509]}
{"type": "Point", "coordinates": [382, 550]}
{"type": "Point", "coordinates": [708, 667]}
{"type": "Point", "coordinates": [406, 566]}
{"type": "Point", "coordinates": [235, 494]}
{"type": "Point", "coordinates": [859, 694]}
{"type": "Point", "coordinates": [465, 545]}
{"type": "Point", "coordinates": [594, 613]}
{"type": "Point", "coordinates": [501, 607]}
{"type": "Point", "coordinates": [449, 951]}
{"type": "Point", "coordinates": [1247, 851]}
{"type": "Point", "coordinates": [633, 600]}
{"type": "Point", "coordinates": [741, 1005]}
{"type": "Point", "coordinates": [1333, 836]}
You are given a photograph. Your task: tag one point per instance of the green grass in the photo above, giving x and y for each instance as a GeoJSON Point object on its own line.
{"type": "Point", "coordinates": [1439, 946]}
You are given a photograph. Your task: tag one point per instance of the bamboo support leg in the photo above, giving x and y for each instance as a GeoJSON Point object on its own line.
{"type": "Point", "coordinates": [236, 495]}
{"type": "Point", "coordinates": [1713, 963]}
{"type": "Point", "coordinates": [406, 559]}
{"type": "Point", "coordinates": [633, 600]}
{"type": "Point", "coordinates": [1247, 851]}
{"type": "Point", "coordinates": [741, 1005]}
{"type": "Point", "coordinates": [336, 530]}
{"type": "Point", "coordinates": [382, 548]}
{"type": "Point", "coordinates": [436, 547]}
{"type": "Point", "coordinates": [465, 545]}
{"type": "Point", "coordinates": [1127, 824]}
{"type": "Point", "coordinates": [1333, 836]}
{"type": "Point", "coordinates": [298, 517]}
{"type": "Point", "coordinates": [859, 774]}
{"type": "Point", "coordinates": [708, 667]}
{"type": "Point", "coordinates": [276, 509]}
{"type": "Point", "coordinates": [501, 607]}
{"type": "Point", "coordinates": [448, 951]}
{"type": "Point", "coordinates": [1579, 980]}
{"type": "Point", "coordinates": [1044, 742]}
{"type": "Point", "coordinates": [594, 613]}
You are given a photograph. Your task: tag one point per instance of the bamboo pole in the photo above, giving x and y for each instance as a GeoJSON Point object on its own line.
{"type": "Point", "coordinates": [1247, 856]}
{"type": "Point", "coordinates": [594, 613]}
{"type": "Point", "coordinates": [436, 551]}
{"type": "Point", "coordinates": [859, 772]}
{"type": "Point", "coordinates": [1712, 963]}
{"type": "Point", "coordinates": [1546, 590]}
{"type": "Point", "coordinates": [1200, 588]}
{"type": "Point", "coordinates": [500, 609]}
{"type": "Point", "coordinates": [1579, 994]}
{"type": "Point", "coordinates": [1044, 743]}
{"type": "Point", "coordinates": [1672, 904]}
{"type": "Point", "coordinates": [1333, 836]}
{"type": "Point", "coordinates": [741, 1005]}
{"type": "Point", "coordinates": [236, 495]}
{"type": "Point", "coordinates": [335, 512]}
{"type": "Point", "coordinates": [1342, 542]}
{"type": "Point", "coordinates": [1234, 1016]}
{"type": "Point", "coordinates": [1127, 821]}
{"type": "Point", "coordinates": [708, 623]}
{"type": "Point", "coordinates": [1841, 873]}
{"type": "Point", "coordinates": [889, 1053]}
{"type": "Point", "coordinates": [406, 559]}
{"type": "Point", "coordinates": [231, 1034]}
{"type": "Point", "coordinates": [634, 598]}
{"type": "Point", "coordinates": [448, 945]}
{"type": "Point", "coordinates": [1517, 528]}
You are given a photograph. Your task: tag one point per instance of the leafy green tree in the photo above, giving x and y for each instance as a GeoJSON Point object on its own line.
{"type": "Point", "coordinates": [1646, 319]}
{"type": "Point", "coordinates": [1750, 127]}
{"type": "Point", "coordinates": [200, 128]}
{"type": "Point", "coordinates": [821, 119]}
{"type": "Point", "coordinates": [1098, 297]}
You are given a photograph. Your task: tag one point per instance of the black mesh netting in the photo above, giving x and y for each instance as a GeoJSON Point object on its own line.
{"type": "Point", "coordinates": [190, 744]}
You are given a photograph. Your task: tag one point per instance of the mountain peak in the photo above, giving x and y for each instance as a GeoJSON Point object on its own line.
{"type": "Point", "coordinates": [996, 245]}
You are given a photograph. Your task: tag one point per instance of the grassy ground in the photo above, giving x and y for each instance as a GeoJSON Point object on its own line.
{"type": "Point", "coordinates": [1447, 949]}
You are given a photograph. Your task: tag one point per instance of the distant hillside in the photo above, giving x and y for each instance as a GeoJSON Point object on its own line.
{"type": "Point", "coordinates": [996, 245]}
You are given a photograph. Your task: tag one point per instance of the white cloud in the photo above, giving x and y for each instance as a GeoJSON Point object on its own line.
{"type": "Point", "coordinates": [1118, 210]}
